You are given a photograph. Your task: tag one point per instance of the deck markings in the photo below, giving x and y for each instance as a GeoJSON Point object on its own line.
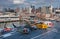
{"type": "Point", "coordinates": [43, 34]}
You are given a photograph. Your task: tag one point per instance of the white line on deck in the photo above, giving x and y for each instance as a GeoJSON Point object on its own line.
{"type": "Point", "coordinates": [8, 34]}
{"type": "Point", "coordinates": [54, 30]}
{"type": "Point", "coordinates": [42, 34]}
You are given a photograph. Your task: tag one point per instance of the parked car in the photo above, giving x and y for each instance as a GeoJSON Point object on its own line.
{"type": "Point", "coordinates": [27, 28]}
{"type": "Point", "coordinates": [23, 30]}
{"type": "Point", "coordinates": [49, 23]}
{"type": "Point", "coordinates": [7, 29]}
{"type": "Point", "coordinates": [41, 25]}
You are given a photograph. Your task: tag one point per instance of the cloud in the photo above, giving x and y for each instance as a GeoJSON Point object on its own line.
{"type": "Point", "coordinates": [26, 3]}
{"type": "Point", "coordinates": [18, 1]}
{"type": "Point", "coordinates": [36, 2]}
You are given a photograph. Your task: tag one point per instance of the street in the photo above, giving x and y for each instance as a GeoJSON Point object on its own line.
{"type": "Point", "coordinates": [50, 33]}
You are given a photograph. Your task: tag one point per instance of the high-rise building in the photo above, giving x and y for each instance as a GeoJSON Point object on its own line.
{"type": "Point", "coordinates": [43, 9]}
{"type": "Point", "coordinates": [51, 9]}
{"type": "Point", "coordinates": [46, 9]}
{"type": "Point", "coordinates": [38, 10]}
{"type": "Point", "coordinates": [30, 9]}
{"type": "Point", "coordinates": [33, 9]}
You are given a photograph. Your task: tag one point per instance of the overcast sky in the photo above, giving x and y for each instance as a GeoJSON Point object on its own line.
{"type": "Point", "coordinates": [23, 3]}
